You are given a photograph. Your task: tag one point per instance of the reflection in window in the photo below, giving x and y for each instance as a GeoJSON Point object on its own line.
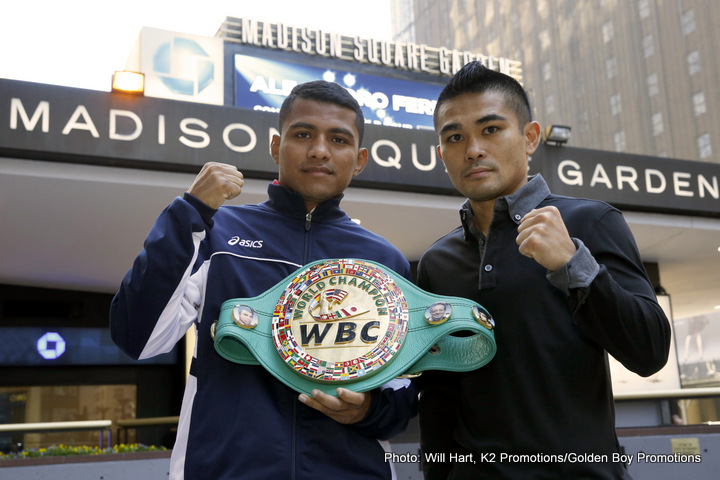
{"type": "Point", "coordinates": [648, 46]}
{"type": "Point", "coordinates": [657, 123]}
{"type": "Point", "coordinates": [489, 13]}
{"type": "Point", "coordinates": [693, 60]}
{"type": "Point", "coordinates": [644, 8]}
{"type": "Point", "coordinates": [704, 146]}
{"type": "Point", "coordinates": [542, 8]}
{"type": "Point", "coordinates": [611, 67]}
{"type": "Point", "coordinates": [545, 41]}
{"type": "Point", "coordinates": [695, 411]}
{"type": "Point", "coordinates": [688, 22]}
{"type": "Point", "coordinates": [550, 104]}
{"type": "Point", "coordinates": [620, 141]}
{"type": "Point", "coordinates": [71, 403]}
{"type": "Point", "coordinates": [699, 104]}
{"type": "Point", "coordinates": [547, 71]}
{"type": "Point", "coordinates": [607, 32]}
{"type": "Point", "coordinates": [652, 83]}
{"type": "Point", "coordinates": [698, 347]}
{"type": "Point", "coordinates": [615, 104]}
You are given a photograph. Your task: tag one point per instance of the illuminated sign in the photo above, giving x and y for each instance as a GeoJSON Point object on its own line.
{"type": "Point", "coordinates": [51, 345]}
{"type": "Point", "coordinates": [36, 346]}
{"type": "Point", "coordinates": [263, 84]}
{"type": "Point", "coordinates": [59, 123]}
{"type": "Point", "coordinates": [402, 56]}
{"type": "Point", "coordinates": [56, 122]}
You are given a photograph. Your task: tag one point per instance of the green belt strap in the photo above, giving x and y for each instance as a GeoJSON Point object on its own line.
{"type": "Point", "coordinates": [354, 324]}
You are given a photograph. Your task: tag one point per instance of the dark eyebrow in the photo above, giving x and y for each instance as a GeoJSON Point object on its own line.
{"type": "Point", "coordinates": [310, 126]}
{"type": "Point", "coordinates": [448, 127]}
{"type": "Point", "coordinates": [480, 121]}
{"type": "Point", "coordinates": [343, 131]}
{"type": "Point", "coordinates": [306, 126]}
{"type": "Point", "coordinates": [490, 118]}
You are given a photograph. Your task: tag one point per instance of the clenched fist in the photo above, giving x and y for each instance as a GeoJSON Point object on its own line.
{"type": "Point", "coordinates": [216, 183]}
{"type": "Point", "coordinates": [542, 236]}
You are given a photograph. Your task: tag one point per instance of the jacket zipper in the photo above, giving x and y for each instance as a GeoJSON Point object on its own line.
{"type": "Point", "coordinates": [292, 441]}
{"type": "Point", "coordinates": [308, 224]}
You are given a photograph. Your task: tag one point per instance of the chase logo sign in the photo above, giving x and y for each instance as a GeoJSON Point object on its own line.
{"type": "Point", "coordinates": [182, 67]}
{"type": "Point", "coordinates": [51, 345]}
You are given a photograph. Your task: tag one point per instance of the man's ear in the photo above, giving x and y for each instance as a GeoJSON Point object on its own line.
{"type": "Point", "coordinates": [532, 137]}
{"type": "Point", "coordinates": [362, 160]}
{"type": "Point", "coordinates": [439, 152]}
{"type": "Point", "coordinates": [275, 148]}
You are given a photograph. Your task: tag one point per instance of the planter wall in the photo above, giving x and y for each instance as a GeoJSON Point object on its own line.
{"type": "Point", "coordinates": [120, 466]}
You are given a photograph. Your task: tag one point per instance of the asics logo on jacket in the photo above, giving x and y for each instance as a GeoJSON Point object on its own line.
{"type": "Point", "coordinates": [241, 242]}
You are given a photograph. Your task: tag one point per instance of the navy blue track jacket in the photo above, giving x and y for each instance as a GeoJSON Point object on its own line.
{"type": "Point", "coordinates": [238, 421]}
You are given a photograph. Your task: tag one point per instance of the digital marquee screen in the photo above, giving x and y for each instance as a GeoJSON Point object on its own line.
{"type": "Point", "coordinates": [38, 346]}
{"type": "Point", "coordinates": [263, 84]}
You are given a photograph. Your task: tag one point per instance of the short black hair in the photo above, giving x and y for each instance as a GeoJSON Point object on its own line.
{"type": "Point", "coordinates": [328, 92]}
{"type": "Point", "coordinates": [474, 77]}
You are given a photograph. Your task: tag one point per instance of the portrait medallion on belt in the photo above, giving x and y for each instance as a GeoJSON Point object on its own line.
{"type": "Point", "coordinates": [483, 318]}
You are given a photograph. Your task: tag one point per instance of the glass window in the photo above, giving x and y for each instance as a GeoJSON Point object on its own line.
{"type": "Point", "coordinates": [693, 60]}
{"type": "Point", "coordinates": [695, 411]}
{"type": "Point", "coordinates": [697, 338]}
{"type": "Point", "coordinates": [489, 13]}
{"type": "Point", "coordinates": [704, 147]}
{"type": "Point", "coordinates": [611, 67]}
{"type": "Point", "coordinates": [542, 8]}
{"type": "Point", "coordinates": [550, 104]}
{"type": "Point", "coordinates": [547, 71]}
{"type": "Point", "coordinates": [699, 104]}
{"type": "Point", "coordinates": [607, 32]}
{"type": "Point", "coordinates": [615, 104]}
{"type": "Point", "coordinates": [648, 46]}
{"type": "Point", "coordinates": [657, 123]}
{"type": "Point", "coordinates": [688, 22]}
{"type": "Point", "coordinates": [620, 141]}
{"type": "Point", "coordinates": [545, 41]}
{"type": "Point", "coordinates": [652, 83]}
{"type": "Point", "coordinates": [40, 404]}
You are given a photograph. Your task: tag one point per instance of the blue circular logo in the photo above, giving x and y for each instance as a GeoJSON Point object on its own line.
{"type": "Point", "coordinates": [51, 345]}
{"type": "Point", "coordinates": [183, 66]}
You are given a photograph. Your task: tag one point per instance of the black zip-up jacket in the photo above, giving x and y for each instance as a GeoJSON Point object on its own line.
{"type": "Point", "coordinates": [547, 393]}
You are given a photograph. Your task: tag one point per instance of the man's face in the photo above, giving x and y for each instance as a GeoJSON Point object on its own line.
{"type": "Point", "coordinates": [437, 312]}
{"type": "Point", "coordinates": [318, 151]}
{"type": "Point", "coordinates": [246, 316]}
{"type": "Point", "coordinates": [484, 149]}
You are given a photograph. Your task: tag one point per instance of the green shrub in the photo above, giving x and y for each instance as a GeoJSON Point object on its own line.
{"type": "Point", "coordinates": [62, 450]}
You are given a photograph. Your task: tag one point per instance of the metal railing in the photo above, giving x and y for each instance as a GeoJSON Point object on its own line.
{"type": "Point", "coordinates": [101, 425]}
{"type": "Point", "coordinates": [666, 394]}
{"type": "Point", "coordinates": [126, 424]}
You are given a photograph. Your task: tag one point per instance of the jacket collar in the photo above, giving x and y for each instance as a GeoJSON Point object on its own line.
{"type": "Point", "coordinates": [516, 205]}
{"type": "Point", "coordinates": [290, 203]}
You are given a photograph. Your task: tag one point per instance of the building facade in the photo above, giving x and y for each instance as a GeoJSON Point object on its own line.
{"type": "Point", "coordinates": [636, 76]}
{"type": "Point", "coordinates": [84, 174]}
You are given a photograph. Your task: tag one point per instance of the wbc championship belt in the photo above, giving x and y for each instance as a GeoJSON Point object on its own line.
{"type": "Point", "coordinates": [352, 323]}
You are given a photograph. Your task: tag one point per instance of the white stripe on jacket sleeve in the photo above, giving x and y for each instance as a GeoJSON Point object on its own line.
{"type": "Point", "coordinates": [181, 310]}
